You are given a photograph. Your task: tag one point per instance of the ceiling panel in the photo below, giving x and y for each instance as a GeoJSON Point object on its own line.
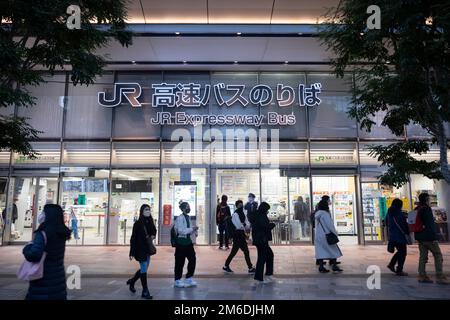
{"type": "Point", "coordinates": [295, 11]}
{"type": "Point", "coordinates": [236, 11]}
{"type": "Point", "coordinates": [135, 14]}
{"type": "Point", "coordinates": [254, 49]}
{"type": "Point", "coordinates": [175, 11]}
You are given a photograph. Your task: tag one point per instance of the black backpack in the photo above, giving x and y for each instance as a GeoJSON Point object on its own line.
{"type": "Point", "coordinates": [173, 236]}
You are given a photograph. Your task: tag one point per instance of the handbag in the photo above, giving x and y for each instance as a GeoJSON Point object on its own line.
{"type": "Point", "coordinates": [30, 271]}
{"type": "Point", "coordinates": [331, 237]}
{"type": "Point", "coordinates": [390, 247]}
{"type": "Point", "coordinates": [151, 246]}
{"type": "Point", "coordinates": [407, 236]}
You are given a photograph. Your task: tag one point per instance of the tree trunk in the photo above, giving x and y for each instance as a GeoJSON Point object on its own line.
{"type": "Point", "coordinates": [442, 141]}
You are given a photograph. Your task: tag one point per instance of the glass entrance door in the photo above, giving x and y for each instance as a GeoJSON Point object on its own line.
{"type": "Point", "coordinates": [342, 191]}
{"type": "Point", "coordinates": [29, 198]}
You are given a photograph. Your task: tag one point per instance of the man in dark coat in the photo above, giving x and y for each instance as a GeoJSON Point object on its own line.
{"type": "Point", "coordinates": [262, 234]}
{"type": "Point", "coordinates": [50, 237]}
{"type": "Point", "coordinates": [427, 239]}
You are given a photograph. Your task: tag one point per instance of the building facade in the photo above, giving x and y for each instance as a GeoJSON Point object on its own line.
{"type": "Point", "coordinates": [208, 101]}
{"type": "Point", "coordinates": [102, 162]}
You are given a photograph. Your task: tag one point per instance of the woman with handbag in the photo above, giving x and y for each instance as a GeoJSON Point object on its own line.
{"type": "Point", "coordinates": [398, 235]}
{"type": "Point", "coordinates": [142, 247]}
{"type": "Point", "coordinates": [325, 238]}
{"type": "Point", "coordinates": [48, 248]}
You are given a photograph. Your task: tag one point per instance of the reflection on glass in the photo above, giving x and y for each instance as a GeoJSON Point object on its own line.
{"type": "Point", "coordinates": [130, 190]}
{"type": "Point", "coordinates": [85, 202]}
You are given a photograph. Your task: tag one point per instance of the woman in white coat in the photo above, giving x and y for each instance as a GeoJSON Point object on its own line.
{"type": "Point", "coordinates": [324, 224]}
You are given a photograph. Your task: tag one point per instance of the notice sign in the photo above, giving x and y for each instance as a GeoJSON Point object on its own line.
{"type": "Point", "coordinates": [167, 214]}
{"type": "Point", "coordinates": [185, 191]}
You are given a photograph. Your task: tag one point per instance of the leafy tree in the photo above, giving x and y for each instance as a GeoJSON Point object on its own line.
{"type": "Point", "coordinates": [402, 71]}
{"type": "Point", "coordinates": [34, 38]}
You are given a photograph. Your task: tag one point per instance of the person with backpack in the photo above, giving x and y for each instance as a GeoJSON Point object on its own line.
{"type": "Point", "coordinates": [240, 225]}
{"type": "Point", "coordinates": [398, 234]}
{"type": "Point", "coordinates": [262, 234]}
{"type": "Point", "coordinates": [144, 231]}
{"type": "Point", "coordinates": [427, 239]}
{"type": "Point", "coordinates": [184, 248]}
{"type": "Point", "coordinates": [223, 213]}
{"type": "Point", "coordinates": [50, 239]}
{"type": "Point", "coordinates": [324, 228]}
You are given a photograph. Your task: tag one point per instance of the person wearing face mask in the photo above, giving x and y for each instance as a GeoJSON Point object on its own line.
{"type": "Point", "coordinates": [251, 206]}
{"type": "Point", "coordinates": [184, 248]}
{"type": "Point", "coordinates": [143, 228]}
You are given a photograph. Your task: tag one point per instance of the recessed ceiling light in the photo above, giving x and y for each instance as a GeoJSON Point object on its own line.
{"type": "Point", "coordinates": [286, 62]}
{"type": "Point", "coordinates": [239, 33]}
{"type": "Point", "coordinates": [300, 33]}
{"type": "Point", "coordinates": [177, 33]}
{"type": "Point", "coordinates": [184, 61]}
{"type": "Point", "coordinates": [133, 62]}
{"type": "Point", "coordinates": [235, 62]}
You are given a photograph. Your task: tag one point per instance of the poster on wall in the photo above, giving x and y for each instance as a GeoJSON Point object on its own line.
{"type": "Point", "coordinates": [185, 191]}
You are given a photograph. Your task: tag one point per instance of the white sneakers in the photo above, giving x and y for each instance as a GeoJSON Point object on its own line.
{"type": "Point", "coordinates": [185, 284]}
{"type": "Point", "coordinates": [189, 282]}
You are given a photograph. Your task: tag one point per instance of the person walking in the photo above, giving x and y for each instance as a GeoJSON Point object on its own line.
{"type": "Point", "coordinates": [262, 234]}
{"type": "Point", "coordinates": [242, 225]}
{"type": "Point", "coordinates": [184, 248]}
{"type": "Point", "coordinates": [223, 213]}
{"type": "Point", "coordinates": [50, 237]}
{"type": "Point", "coordinates": [398, 234]}
{"type": "Point", "coordinates": [301, 213]}
{"type": "Point", "coordinates": [74, 223]}
{"type": "Point", "coordinates": [427, 239]}
{"type": "Point", "coordinates": [324, 225]}
{"type": "Point", "coordinates": [143, 230]}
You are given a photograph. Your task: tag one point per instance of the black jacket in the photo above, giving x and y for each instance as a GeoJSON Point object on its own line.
{"type": "Point", "coordinates": [397, 226]}
{"type": "Point", "coordinates": [261, 228]}
{"type": "Point", "coordinates": [429, 233]}
{"type": "Point", "coordinates": [138, 242]}
{"type": "Point", "coordinates": [53, 284]}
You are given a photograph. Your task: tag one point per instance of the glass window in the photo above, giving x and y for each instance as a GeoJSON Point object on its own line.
{"type": "Point", "coordinates": [85, 118]}
{"type": "Point", "coordinates": [201, 78]}
{"type": "Point", "coordinates": [188, 185]}
{"type": "Point", "coordinates": [342, 192]}
{"type": "Point", "coordinates": [289, 132]}
{"type": "Point", "coordinates": [274, 190]}
{"type": "Point", "coordinates": [47, 114]}
{"type": "Point", "coordinates": [248, 80]}
{"type": "Point", "coordinates": [284, 154]}
{"type": "Point", "coordinates": [134, 123]}
{"type": "Point", "coordinates": [48, 155]}
{"type": "Point", "coordinates": [86, 154]}
{"type": "Point", "coordinates": [299, 207]}
{"type": "Point", "coordinates": [129, 190]}
{"type": "Point", "coordinates": [84, 198]}
{"type": "Point", "coordinates": [136, 154]}
{"type": "Point", "coordinates": [4, 158]}
{"type": "Point", "coordinates": [378, 130]}
{"type": "Point", "coordinates": [333, 154]}
{"type": "Point", "coordinates": [185, 152]}
{"type": "Point", "coordinates": [330, 119]}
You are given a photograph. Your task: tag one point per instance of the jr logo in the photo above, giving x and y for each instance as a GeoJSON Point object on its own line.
{"type": "Point", "coordinates": [131, 91]}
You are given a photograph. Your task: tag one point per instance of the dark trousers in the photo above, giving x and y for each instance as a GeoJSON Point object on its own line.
{"type": "Point", "coordinates": [239, 242]}
{"type": "Point", "coordinates": [181, 253]}
{"type": "Point", "coordinates": [399, 256]}
{"type": "Point", "coordinates": [265, 257]}
{"type": "Point", "coordinates": [223, 234]}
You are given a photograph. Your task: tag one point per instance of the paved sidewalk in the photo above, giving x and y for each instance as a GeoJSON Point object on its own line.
{"type": "Point", "coordinates": [112, 261]}
{"type": "Point", "coordinates": [104, 270]}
